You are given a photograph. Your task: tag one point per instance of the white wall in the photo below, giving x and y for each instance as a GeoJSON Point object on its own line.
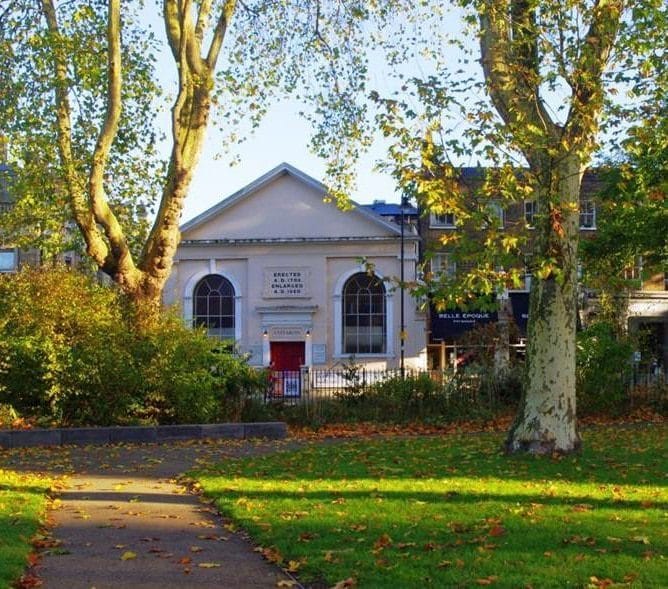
{"type": "Point", "coordinates": [286, 225]}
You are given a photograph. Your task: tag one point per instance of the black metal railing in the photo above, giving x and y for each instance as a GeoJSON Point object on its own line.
{"type": "Point", "coordinates": [475, 384]}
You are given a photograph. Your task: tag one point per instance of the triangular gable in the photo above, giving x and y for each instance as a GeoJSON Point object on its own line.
{"type": "Point", "coordinates": [285, 203]}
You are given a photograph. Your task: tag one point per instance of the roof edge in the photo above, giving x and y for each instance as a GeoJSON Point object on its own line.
{"type": "Point", "coordinates": [280, 170]}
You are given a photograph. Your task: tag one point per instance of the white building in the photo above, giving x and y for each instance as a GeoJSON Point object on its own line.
{"type": "Point", "coordinates": [285, 274]}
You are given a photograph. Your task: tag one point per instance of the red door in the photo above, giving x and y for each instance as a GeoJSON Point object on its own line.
{"type": "Point", "coordinates": [287, 358]}
{"type": "Point", "coordinates": [287, 355]}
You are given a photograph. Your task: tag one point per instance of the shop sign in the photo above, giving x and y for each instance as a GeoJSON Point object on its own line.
{"type": "Point", "coordinates": [452, 323]}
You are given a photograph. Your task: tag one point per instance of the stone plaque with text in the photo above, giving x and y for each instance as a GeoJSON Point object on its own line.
{"type": "Point", "coordinates": [286, 333]}
{"type": "Point", "coordinates": [286, 283]}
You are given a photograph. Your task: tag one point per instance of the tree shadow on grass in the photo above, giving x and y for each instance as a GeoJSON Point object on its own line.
{"type": "Point", "coordinates": [439, 459]}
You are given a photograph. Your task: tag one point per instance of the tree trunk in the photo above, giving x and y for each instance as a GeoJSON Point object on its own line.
{"type": "Point", "coordinates": [546, 420]}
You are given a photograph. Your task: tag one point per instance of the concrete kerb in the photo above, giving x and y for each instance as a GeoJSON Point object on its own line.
{"type": "Point", "coordinates": [84, 436]}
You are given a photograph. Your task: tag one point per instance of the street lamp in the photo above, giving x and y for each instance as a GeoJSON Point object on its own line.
{"type": "Point", "coordinates": [402, 335]}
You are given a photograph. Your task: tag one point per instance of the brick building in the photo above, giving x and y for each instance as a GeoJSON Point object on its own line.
{"type": "Point", "coordinates": [646, 307]}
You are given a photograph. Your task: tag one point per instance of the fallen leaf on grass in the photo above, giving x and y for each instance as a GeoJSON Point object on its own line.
{"type": "Point", "coordinates": [383, 542]}
{"type": "Point", "coordinates": [329, 557]}
{"type": "Point", "coordinates": [497, 531]}
{"type": "Point", "coordinates": [271, 554]}
{"type": "Point", "coordinates": [487, 580]}
{"type": "Point", "coordinates": [600, 583]}
{"type": "Point", "coordinates": [346, 583]}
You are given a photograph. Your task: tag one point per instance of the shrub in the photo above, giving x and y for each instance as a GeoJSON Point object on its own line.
{"type": "Point", "coordinates": [191, 378]}
{"type": "Point", "coordinates": [473, 393]}
{"type": "Point", "coordinates": [68, 354]}
{"type": "Point", "coordinates": [603, 369]}
{"type": "Point", "coordinates": [63, 347]}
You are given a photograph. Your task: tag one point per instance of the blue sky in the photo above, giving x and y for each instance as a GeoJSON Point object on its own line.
{"type": "Point", "coordinates": [283, 136]}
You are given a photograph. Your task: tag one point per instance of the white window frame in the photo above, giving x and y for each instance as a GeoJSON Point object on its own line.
{"type": "Point", "coordinates": [447, 220]}
{"type": "Point", "coordinates": [495, 209]}
{"type": "Point", "coordinates": [589, 216]}
{"type": "Point", "coordinates": [14, 252]}
{"type": "Point", "coordinates": [189, 290]}
{"type": "Point", "coordinates": [530, 210]}
{"type": "Point", "coordinates": [338, 318]}
{"type": "Point", "coordinates": [442, 263]}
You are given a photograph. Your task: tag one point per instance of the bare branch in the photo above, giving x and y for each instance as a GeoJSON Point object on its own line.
{"type": "Point", "coordinates": [588, 73]}
{"type": "Point", "coordinates": [101, 210]}
{"type": "Point", "coordinates": [95, 244]}
{"type": "Point", "coordinates": [508, 45]}
{"type": "Point", "coordinates": [189, 39]}
{"type": "Point", "coordinates": [203, 18]}
{"type": "Point", "coordinates": [173, 26]}
{"type": "Point", "coordinates": [219, 33]}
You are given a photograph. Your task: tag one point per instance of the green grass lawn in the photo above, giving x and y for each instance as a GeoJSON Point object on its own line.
{"type": "Point", "coordinates": [453, 512]}
{"type": "Point", "coordinates": [23, 501]}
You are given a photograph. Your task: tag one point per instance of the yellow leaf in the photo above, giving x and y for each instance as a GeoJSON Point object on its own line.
{"type": "Point", "coordinates": [208, 565]}
{"type": "Point", "coordinates": [128, 555]}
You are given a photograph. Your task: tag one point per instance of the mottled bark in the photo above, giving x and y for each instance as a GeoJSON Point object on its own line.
{"type": "Point", "coordinates": [557, 156]}
{"type": "Point", "coordinates": [546, 420]}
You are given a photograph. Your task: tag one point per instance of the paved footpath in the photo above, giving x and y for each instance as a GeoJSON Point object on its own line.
{"type": "Point", "coordinates": [125, 521]}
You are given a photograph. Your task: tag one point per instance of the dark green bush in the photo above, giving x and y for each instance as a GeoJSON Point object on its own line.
{"type": "Point", "coordinates": [69, 355]}
{"type": "Point", "coordinates": [603, 369]}
{"type": "Point", "coordinates": [474, 393]}
{"type": "Point", "coordinates": [63, 347]}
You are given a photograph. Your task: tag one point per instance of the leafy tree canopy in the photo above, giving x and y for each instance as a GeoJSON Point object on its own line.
{"type": "Point", "coordinates": [80, 94]}
{"type": "Point", "coordinates": [632, 221]}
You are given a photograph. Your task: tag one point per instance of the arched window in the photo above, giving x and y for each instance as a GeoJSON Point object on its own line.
{"type": "Point", "coordinates": [364, 315]}
{"type": "Point", "coordinates": [213, 306]}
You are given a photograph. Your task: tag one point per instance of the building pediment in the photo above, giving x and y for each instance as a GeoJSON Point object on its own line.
{"type": "Point", "coordinates": [284, 205]}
